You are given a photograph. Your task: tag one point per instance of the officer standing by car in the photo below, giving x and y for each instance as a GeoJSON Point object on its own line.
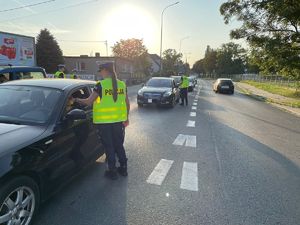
{"type": "Point", "coordinates": [110, 113]}
{"type": "Point", "coordinates": [184, 85]}
{"type": "Point", "coordinates": [61, 72]}
{"type": "Point", "coordinates": [74, 74]}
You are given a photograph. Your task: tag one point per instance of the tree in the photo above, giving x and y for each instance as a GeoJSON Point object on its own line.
{"type": "Point", "coordinates": [133, 49]}
{"type": "Point", "coordinates": [231, 59]}
{"type": "Point", "coordinates": [49, 55]}
{"type": "Point", "coordinates": [198, 67]}
{"type": "Point", "coordinates": [272, 28]}
{"type": "Point", "coordinates": [210, 60]}
{"type": "Point", "coordinates": [171, 62]}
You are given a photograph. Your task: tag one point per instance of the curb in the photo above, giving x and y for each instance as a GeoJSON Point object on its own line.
{"type": "Point", "coordinates": [268, 100]}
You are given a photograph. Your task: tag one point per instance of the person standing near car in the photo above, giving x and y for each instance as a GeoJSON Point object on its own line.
{"type": "Point", "coordinates": [110, 113]}
{"type": "Point", "coordinates": [61, 72]}
{"type": "Point", "coordinates": [184, 85]}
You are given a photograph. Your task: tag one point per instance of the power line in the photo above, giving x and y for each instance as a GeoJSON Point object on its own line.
{"type": "Point", "coordinates": [77, 41]}
{"type": "Point", "coordinates": [49, 11]}
{"type": "Point", "coordinates": [26, 6]}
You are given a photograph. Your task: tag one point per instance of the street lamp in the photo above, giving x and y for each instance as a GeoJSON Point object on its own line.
{"type": "Point", "coordinates": [161, 31]}
{"type": "Point", "coordinates": [182, 39]}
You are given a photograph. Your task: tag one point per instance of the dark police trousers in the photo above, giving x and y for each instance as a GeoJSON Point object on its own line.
{"type": "Point", "coordinates": [112, 136]}
{"type": "Point", "coordinates": [184, 95]}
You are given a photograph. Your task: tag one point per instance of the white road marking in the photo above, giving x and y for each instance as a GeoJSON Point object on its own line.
{"type": "Point", "coordinates": [190, 123]}
{"type": "Point", "coordinates": [191, 141]}
{"type": "Point", "coordinates": [194, 108]}
{"type": "Point", "coordinates": [193, 114]}
{"type": "Point", "coordinates": [189, 177]}
{"type": "Point", "coordinates": [195, 104]}
{"type": "Point", "coordinates": [180, 139]}
{"type": "Point", "coordinates": [188, 140]}
{"type": "Point", "coordinates": [160, 172]}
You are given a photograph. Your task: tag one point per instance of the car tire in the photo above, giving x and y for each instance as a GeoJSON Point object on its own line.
{"type": "Point", "coordinates": [28, 190]}
{"type": "Point", "coordinates": [232, 92]}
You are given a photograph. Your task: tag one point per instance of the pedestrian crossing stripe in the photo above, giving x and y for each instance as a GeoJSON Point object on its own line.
{"type": "Point", "coordinates": [195, 104]}
{"type": "Point", "coordinates": [160, 172]}
{"type": "Point", "coordinates": [193, 114]}
{"type": "Point", "coordinates": [187, 140]}
{"type": "Point", "coordinates": [194, 108]}
{"type": "Point", "coordinates": [189, 175]}
{"type": "Point", "coordinates": [190, 123]}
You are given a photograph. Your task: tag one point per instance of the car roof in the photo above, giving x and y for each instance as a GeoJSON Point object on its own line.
{"type": "Point", "coordinates": [7, 69]}
{"type": "Point", "coordinates": [61, 84]}
{"type": "Point", "coordinates": [225, 79]}
{"type": "Point", "coordinates": [162, 78]}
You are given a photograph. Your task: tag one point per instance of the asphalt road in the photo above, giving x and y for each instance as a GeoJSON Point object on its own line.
{"type": "Point", "coordinates": [238, 165]}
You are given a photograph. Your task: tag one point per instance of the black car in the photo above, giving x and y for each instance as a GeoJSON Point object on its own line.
{"type": "Point", "coordinates": [159, 91]}
{"type": "Point", "coordinates": [9, 73]}
{"type": "Point", "coordinates": [44, 141]}
{"type": "Point", "coordinates": [223, 85]}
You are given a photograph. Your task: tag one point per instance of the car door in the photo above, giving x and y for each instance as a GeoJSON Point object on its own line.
{"type": "Point", "coordinates": [72, 144]}
{"type": "Point", "coordinates": [175, 90]}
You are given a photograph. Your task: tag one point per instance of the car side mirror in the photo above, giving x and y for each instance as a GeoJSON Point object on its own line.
{"type": "Point", "coordinates": [76, 114]}
{"type": "Point", "coordinates": [143, 85]}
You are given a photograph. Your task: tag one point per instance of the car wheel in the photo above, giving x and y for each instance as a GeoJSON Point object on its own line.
{"type": "Point", "coordinates": [19, 201]}
{"type": "Point", "coordinates": [232, 92]}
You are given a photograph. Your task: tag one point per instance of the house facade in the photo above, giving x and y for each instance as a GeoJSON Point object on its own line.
{"type": "Point", "coordinates": [88, 65]}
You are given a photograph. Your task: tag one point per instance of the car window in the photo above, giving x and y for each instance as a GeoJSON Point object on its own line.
{"type": "Point", "coordinates": [226, 82]}
{"type": "Point", "coordinates": [77, 93]}
{"type": "Point", "coordinates": [27, 104]}
{"type": "Point", "coordinates": [159, 83]}
{"type": "Point", "coordinates": [4, 77]}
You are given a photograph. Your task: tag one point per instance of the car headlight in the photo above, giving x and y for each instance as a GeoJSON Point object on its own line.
{"type": "Point", "coordinates": [140, 93]}
{"type": "Point", "coordinates": [167, 94]}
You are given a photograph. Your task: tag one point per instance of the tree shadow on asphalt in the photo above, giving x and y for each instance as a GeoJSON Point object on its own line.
{"type": "Point", "coordinates": [88, 199]}
{"type": "Point", "coordinates": [261, 184]}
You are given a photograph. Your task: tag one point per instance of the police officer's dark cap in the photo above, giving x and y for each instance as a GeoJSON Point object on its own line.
{"type": "Point", "coordinates": [108, 65]}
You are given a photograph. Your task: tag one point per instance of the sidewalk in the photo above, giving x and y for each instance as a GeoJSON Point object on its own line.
{"type": "Point", "coordinates": [262, 95]}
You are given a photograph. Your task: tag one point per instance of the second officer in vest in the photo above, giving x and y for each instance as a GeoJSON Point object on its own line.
{"type": "Point", "coordinates": [110, 113]}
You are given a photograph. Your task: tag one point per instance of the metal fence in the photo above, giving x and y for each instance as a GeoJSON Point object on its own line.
{"type": "Point", "coordinates": [278, 80]}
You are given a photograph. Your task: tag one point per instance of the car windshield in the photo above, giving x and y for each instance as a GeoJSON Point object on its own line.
{"type": "Point", "coordinates": [159, 83]}
{"type": "Point", "coordinates": [27, 104]}
{"type": "Point", "coordinates": [226, 82]}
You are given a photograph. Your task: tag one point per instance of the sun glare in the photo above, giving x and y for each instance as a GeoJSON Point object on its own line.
{"type": "Point", "coordinates": [129, 21]}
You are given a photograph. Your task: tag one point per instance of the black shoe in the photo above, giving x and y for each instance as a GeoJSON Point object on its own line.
{"type": "Point", "coordinates": [123, 171]}
{"type": "Point", "coordinates": [111, 174]}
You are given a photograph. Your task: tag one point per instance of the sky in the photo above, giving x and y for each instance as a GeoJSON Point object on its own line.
{"type": "Point", "coordinates": [197, 22]}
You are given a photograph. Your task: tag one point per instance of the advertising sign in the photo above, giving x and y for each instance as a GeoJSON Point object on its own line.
{"type": "Point", "coordinates": [16, 50]}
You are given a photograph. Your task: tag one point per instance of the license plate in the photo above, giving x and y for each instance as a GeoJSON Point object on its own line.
{"type": "Point", "coordinates": [225, 87]}
{"type": "Point", "coordinates": [149, 100]}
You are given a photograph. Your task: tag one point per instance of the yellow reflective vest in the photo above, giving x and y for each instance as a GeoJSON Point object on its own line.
{"type": "Point", "coordinates": [59, 74]}
{"type": "Point", "coordinates": [185, 82]}
{"type": "Point", "coordinates": [106, 110]}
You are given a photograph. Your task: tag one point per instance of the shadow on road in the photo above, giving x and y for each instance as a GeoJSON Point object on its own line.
{"type": "Point", "coordinates": [89, 199]}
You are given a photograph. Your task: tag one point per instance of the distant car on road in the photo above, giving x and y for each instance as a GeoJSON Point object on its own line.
{"type": "Point", "coordinates": [223, 85]}
{"type": "Point", "coordinates": [9, 73]}
{"type": "Point", "coordinates": [44, 141]}
{"type": "Point", "coordinates": [192, 84]}
{"type": "Point", "coordinates": [159, 91]}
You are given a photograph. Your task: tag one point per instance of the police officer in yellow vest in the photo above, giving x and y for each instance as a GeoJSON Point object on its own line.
{"type": "Point", "coordinates": [110, 113]}
{"type": "Point", "coordinates": [61, 72]}
{"type": "Point", "coordinates": [184, 89]}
